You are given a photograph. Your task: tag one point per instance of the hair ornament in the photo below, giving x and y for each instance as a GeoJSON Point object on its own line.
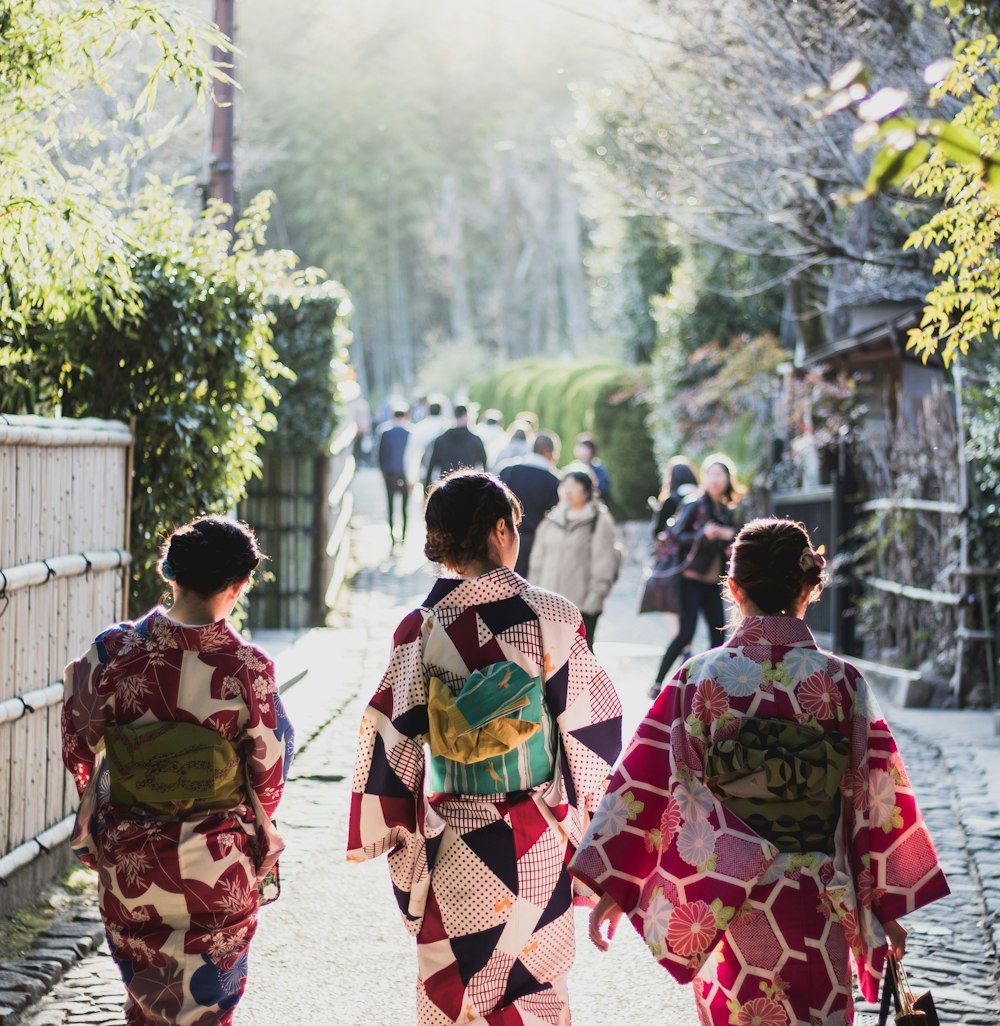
{"type": "Point", "coordinates": [167, 570]}
{"type": "Point", "coordinates": [812, 561]}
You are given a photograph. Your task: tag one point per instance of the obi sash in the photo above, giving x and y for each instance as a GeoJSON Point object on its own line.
{"type": "Point", "coordinates": [782, 779]}
{"type": "Point", "coordinates": [173, 769]}
{"type": "Point", "coordinates": [494, 737]}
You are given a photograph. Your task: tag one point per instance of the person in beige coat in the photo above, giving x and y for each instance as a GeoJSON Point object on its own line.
{"type": "Point", "coordinates": [575, 553]}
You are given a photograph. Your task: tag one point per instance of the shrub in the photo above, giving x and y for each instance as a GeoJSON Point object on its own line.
{"type": "Point", "coordinates": [600, 398]}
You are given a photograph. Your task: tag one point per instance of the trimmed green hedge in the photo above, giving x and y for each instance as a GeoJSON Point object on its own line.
{"type": "Point", "coordinates": [310, 337]}
{"type": "Point", "coordinates": [602, 398]}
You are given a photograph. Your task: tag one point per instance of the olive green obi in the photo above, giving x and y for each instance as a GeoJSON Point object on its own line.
{"type": "Point", "coordinates": [173, 769]}
{"type": "Point", "coordinates": [782, 779]}
{"type": "Point", "coordinates": [494, 737]}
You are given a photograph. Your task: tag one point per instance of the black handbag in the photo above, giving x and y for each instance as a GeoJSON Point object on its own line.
{"type": "Point", "coordinates": [662, 591]}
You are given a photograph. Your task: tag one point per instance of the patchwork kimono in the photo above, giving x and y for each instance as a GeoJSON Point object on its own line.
{"type": "Point", "coordinates": [766, 936]}
{"type": "Point", "coordinates": [481, 878]}
{"type": "Point", "coordinates": [178, 882]}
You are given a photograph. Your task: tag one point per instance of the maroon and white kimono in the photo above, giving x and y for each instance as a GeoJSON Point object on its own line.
{"type": "Point", "coordinates": [481, 880]}
{"type": "Point", "coordinates": [765, 937]}
{"type": "Point", "coordinates": [178, 897]}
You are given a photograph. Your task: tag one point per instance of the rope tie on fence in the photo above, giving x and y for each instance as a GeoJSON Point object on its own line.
{"type": "Point", "coordinates": [50, 572]}
{"type": "Point", "coordinates": [87, 565]}
{"type": "Point", "coordinates": [28, 707]}
{"type": "Point", "coordinates": [3, 594]}
{"type": "Point", "coordinates": [45, 851]}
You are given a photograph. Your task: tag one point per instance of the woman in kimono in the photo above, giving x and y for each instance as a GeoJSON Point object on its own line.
{"type": "Point", "coordinates": [179, 745]}
{"type": "Point", "coordinates": [760, 830]}
{"type": "Point", "coordinates": [483, 752]}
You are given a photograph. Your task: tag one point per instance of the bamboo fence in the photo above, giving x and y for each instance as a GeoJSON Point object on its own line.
{"type": "Point", "coordinates": [63, 563]}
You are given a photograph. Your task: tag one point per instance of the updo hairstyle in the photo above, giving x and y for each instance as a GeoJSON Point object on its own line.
{"type": "Point", "coordinates": [461, 512]}
{"type": "Point", "coordinates": [772, 560]}
{"type": "Point", "coordinates": [210, 554]}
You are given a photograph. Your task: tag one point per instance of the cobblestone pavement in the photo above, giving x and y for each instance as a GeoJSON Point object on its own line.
{"type": "Point", "coordinates": [332, 949]}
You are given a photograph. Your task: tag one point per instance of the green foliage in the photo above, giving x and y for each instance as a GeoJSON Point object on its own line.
{"type": "Point", "coordinates": [600, 398]}
{"type": "Point", "coordinates": [61, 249]}
{"type": "Point", "coordinates": [190, 366]}
{"type": "Point", "coordinates": [720, 399]}
{"type": "Point", "coordinates": [956, 164]}
{"type": "Point", "coordinates": [311, 335]}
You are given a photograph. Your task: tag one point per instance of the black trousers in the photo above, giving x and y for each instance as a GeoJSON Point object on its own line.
{"type": "Point", "coordinates": [590, 625]}
{"type": "Point", "coordinates": [396, 485]}
{"type": "Point", "coordinates": [696, 597]}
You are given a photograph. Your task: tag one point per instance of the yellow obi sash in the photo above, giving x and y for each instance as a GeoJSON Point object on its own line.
{"type": "Point", "coordinates": [173, 768]}
{"type": "Point", "coordinates": [494, 737]}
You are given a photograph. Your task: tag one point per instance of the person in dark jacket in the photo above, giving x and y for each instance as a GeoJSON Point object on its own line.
{"type": "Point", "coordinates": [679, 481]}
{"type": "Point", "coordinates": [457, 447]}
{"type": "Point", "coordinates": [393, 440]}
{"type": "Point", "coordinates": [534, 481]}
{"type": "Point", "coordinates": [704, 528]}
{"type": "Point", "coordinates": [586, 452]}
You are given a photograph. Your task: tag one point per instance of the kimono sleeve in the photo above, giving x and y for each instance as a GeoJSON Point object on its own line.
{"type": "Point", "coordinates": [388, 810]}
{"type": "Point", "coordinates": [272, 740]}
{"type": "Point", "coordinates": [83, 716]}
{"type": "Point", "coordinates": [892, 859]}
{"type": "Point", "coordinates": [675, 860]}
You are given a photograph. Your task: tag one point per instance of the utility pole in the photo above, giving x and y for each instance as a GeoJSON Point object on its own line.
{"type": "Point", "coordinates": [221, 169]}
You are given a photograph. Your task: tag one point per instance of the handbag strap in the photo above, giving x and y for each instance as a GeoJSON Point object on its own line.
{"type": "Point", "coordinates": [888, 992]}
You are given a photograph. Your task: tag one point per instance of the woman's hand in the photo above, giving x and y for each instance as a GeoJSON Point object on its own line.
{"type": "Point", "coordinates": [895, 936]}
{"type": "Point", "coordinates": [605, 909]}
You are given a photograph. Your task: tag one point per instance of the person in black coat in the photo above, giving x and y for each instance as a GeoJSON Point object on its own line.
{"type": "Point", "coordinates": [534, 481]}
{"type": "Point", "coordinates": [704, 529]}
{"type": "Point", "coordinates": [679, 481]}
{"type": "Point", "coordinates": [456, 447]}
{"type": "Point", "coordinates": [393, 439]}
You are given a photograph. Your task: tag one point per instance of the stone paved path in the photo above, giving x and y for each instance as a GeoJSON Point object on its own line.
{"type": "Point", "coordinates": [332, 950]}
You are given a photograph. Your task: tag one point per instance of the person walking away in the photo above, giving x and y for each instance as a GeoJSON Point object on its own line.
{"type": "Point", "coordinates": [423, 434]}
{"type": "Point", "coordinates": [494, 437]}
{"type": "Point", "coordinates": [480, 680]}
{"type": "Point", "coordinates": [535, 482]}
{"type": "Point", "coordinates": [393, 441]}
{"type": "Point", "coordinates": [176, 738]}
{"type": "Point", "coordinates": [760, 886]}
{"type": "Point", "coordinates": [520, 440]}
{"type": "Point", "coordinates": [585, 451]}
{"type": "Point", "coordinates": [575, 553]}
{"type": "Point", "coordinates": [455, 448]}
{"type": "Point", "coordinates": [704, 529]}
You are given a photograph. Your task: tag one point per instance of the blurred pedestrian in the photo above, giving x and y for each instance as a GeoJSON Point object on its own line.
{"type": "Point", "coordinates": [704, 528]}
{"type": "Point", "coordinates": [585, 451]}
{"type": "Point", "coordinates": [761, 830]}
{"type": "Point", "coordinates": [175, 735]}
{"type": "Point", "coordinates": [520, 439]}
{"type": "Point", "coordinates": [494, 437]}
{"type": "Point", "coordinates": [479, 678]}
{"type": "Point", "coordinates": [423, 434]}
{"type": "Point", "coordinates": [393, 439]}
{"type": "Point", "coordinates": [533, 479]}
{"type": "Point", "coordinates": [454, 449]}
{"type": "Point", "coordinates": [679, 481]}
{"type": "Point", "coordinates": [575, 554]}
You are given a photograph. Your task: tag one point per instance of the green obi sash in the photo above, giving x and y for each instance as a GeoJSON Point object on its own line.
{"type": "Point", "coordinates": [173, 768]}
{"type": "Point", "coordinates": [782, 779]}
{"type": "Point", "coordinates": [496, 736]}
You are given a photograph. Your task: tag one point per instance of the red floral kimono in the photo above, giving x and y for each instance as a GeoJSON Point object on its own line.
{"type": "Point", "coordinates": [765, 937]}
{"type": "Point", "coordinates": [178, 897]}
